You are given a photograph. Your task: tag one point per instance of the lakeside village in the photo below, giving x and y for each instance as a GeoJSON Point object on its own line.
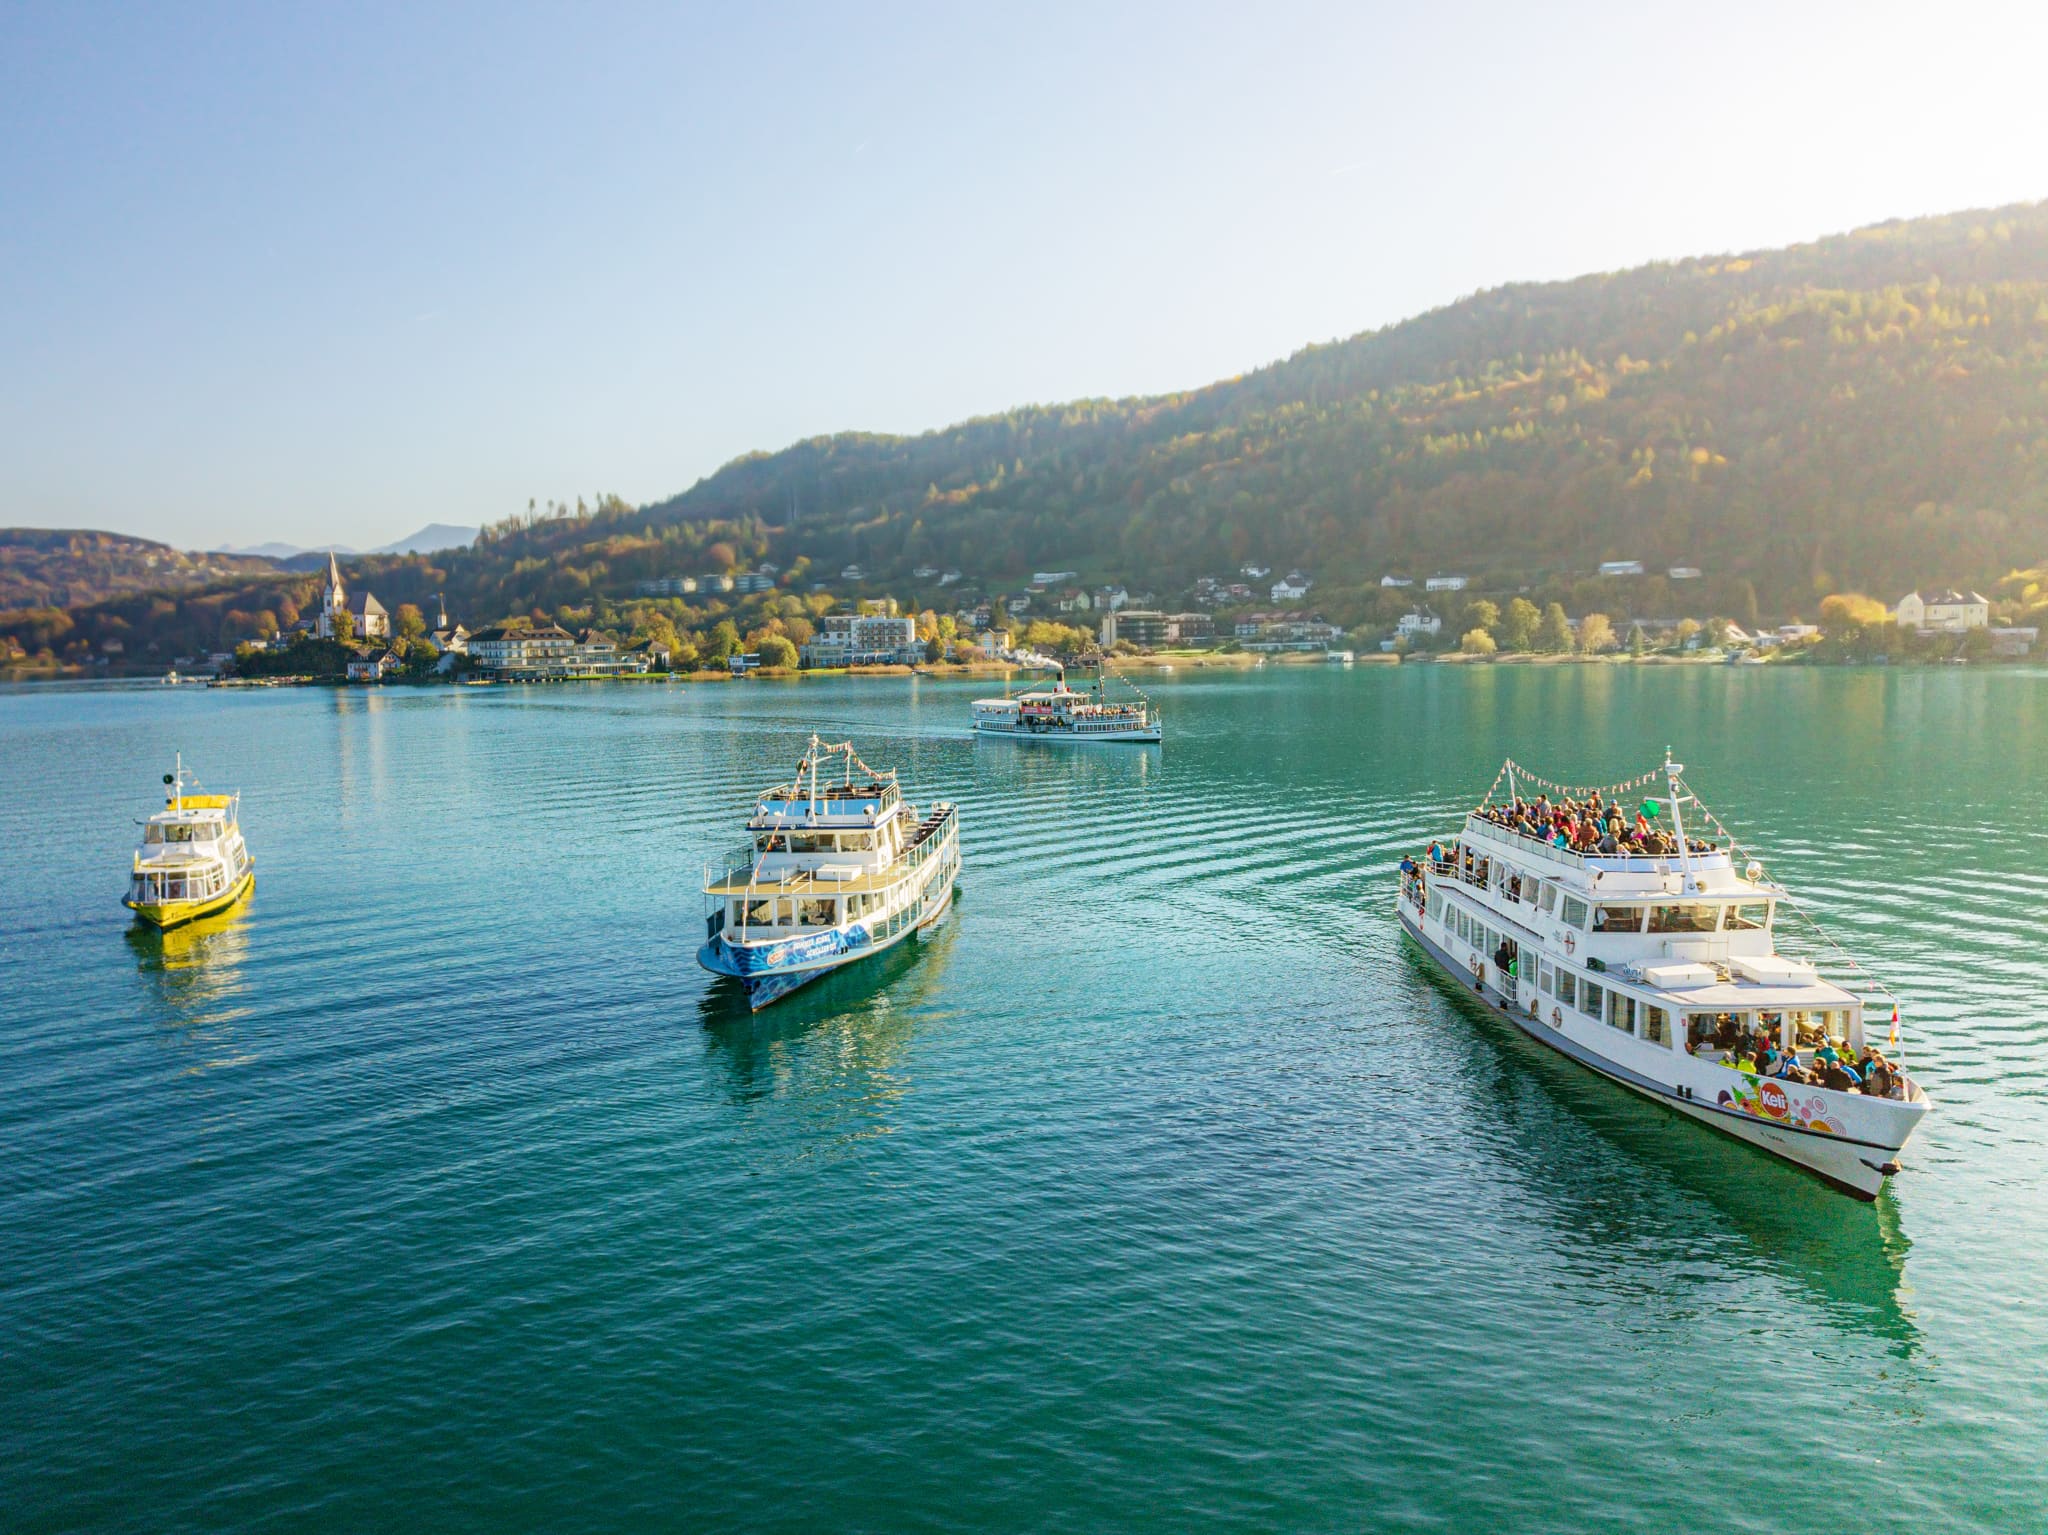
{"type": "Point", "coordinates": [693, 625]}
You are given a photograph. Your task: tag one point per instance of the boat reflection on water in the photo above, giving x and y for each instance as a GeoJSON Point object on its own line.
{"type": "Point", "coordinates": [1647, 1200]}
{"type": "Point", "coordinates": [194, 973]}
{"type": "Point", "coordinates": [838, 1044]}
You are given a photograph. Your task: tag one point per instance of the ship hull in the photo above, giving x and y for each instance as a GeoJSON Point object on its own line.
{"type": "Point", "coordinates": [1146, 736]}
{"type": "Point", "coordinates": [1853, 1166]}
{"type": "Point", "coordinates": [768, 973]}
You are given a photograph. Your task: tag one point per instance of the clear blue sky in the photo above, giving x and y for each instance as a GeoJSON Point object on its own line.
{"type": "Point", "coordinates": [270, 272]}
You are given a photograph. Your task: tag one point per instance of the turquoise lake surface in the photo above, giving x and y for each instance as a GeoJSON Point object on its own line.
{"type": "Point", "coordinates": [1167, 1187]}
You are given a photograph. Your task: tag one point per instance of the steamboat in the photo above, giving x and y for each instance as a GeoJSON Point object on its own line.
{"type": "Point", "coordinates": [1627, 941]}
{"type": "Point", "coordinates": [1061, 713]}
{"type": "Point", "coordinates": [838, 868]}
{"type": "Point", "coordinates": [193, 861]}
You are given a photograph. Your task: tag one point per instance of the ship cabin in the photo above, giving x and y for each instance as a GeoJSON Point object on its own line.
{"type": "Point", "coordinates": [189, 851]}
{"type": "Point", "coordinates": [820, 861]}
{"type": "Point", "coordinates": [1676, 949]}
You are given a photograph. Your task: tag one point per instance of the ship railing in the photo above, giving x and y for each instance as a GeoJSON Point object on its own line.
{"type": "Point", "coordinates": [1620, 863]}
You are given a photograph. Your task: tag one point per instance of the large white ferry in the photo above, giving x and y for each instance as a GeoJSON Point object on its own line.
{"type": "Point", "coordinates": [1650, 958]}
{"type": "Point", "coordinates": [836, 871]}
{"type": "Point", "coordinates": [1061, 713]}
{"type": "Point", "coordinates": [193, 861]}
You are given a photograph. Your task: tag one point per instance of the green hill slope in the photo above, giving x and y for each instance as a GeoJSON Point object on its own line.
{"type": "Point", "coordinates": [1868, 410]}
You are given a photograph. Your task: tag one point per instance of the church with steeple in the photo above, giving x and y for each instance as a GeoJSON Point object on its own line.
{"type": "Point", "coordinates": [371, 622]}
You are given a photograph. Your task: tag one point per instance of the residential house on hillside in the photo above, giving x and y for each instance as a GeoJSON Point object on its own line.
{"type": "Point", "coordinates": [1943, 610]}
{"type": "Point", "coordinates": [667, 586]}
{"type": "Point", "coordinates": [1621, 567]}
{"type": "Point", "coordinates": [1292, 587]}
{"type": "Point", "coordinates": [1684, 572]}
{"type": "Point", "coordinates": [852, 573]}
{"type": "Point", "coordinates": [753, 581]}
{"type": "Point", "coordinates": [1444, 583]}
{"type": "Point", "coordinates": [1397, 580]}
{"type": "Point", "coordinates": [1420, 621]}
{"type": "Point", "coordinates": [1053, 577]}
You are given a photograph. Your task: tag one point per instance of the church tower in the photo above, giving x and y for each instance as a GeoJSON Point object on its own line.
{"type": "Point", "coordinates": [334, 600]}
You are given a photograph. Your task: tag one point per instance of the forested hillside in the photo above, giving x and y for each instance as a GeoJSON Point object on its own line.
{"type": "Point", "coordinates": [1864, 412]}
{"type": "Point", "coordinates": [1869, 410]}
{"type": "Point", "coordinates": [64, 567]}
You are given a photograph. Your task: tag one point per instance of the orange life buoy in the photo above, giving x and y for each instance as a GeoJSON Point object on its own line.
{"type": "Point", "coordinates": [1571, 944]}
{"type": "Point", "coordinates": [1556, 1019]}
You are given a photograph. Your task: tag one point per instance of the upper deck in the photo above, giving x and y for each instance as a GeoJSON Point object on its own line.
{"type": "Point", "coordinates": [1614, 873]}
{"type": "Point", "coordinates": [845, 805]}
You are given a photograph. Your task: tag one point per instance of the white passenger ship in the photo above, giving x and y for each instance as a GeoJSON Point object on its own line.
{"type": "Point", "coordinates": [1658, 967]}
{"type": "Point", "coordinates": [193, 861]}
{"type": "Point", "coordinates": [835, 872]}
{"type": "Point", "coordinates": [1060, 713]}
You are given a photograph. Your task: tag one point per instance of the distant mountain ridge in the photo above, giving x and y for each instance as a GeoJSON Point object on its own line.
{"type": "Point", "coordinates": [434, 536]}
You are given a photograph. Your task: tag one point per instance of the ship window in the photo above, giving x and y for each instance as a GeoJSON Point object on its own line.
{"type": "Point", "coordinates": [1573, 912]}
{"type": "Point", "coordinates": [737, 913]}
{"type": "Point", "coordinates": [1749, 914]}
{"type": "Point", "coordinates": [1656, 1025]}
{"type": "Point", "coordinates": [1592, 1000]}
{"type": "Point", "coordinates": [1617, 919]}
{"type": "Point", "coordinates": [814, 913]}
{"type": "Point", "coordinates": [1684, 919]}
{"type": "Point", "coordinates": [152, 834]}
{"type": "Point", "coordinates": [1568, 988]}
{"type": "Point", "coordinates": [1621, 1012]}
{"type": "Point", "coordinates": [1546, 980]}
{"type": "Point", "coordinates": [1546, 898]}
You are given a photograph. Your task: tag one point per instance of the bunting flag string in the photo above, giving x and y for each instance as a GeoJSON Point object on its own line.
{"type": "Point", "coordinates": [1575, 791]}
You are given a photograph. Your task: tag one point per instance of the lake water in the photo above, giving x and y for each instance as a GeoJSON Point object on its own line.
{"type": "Point", "coordinates": [441, 1190]}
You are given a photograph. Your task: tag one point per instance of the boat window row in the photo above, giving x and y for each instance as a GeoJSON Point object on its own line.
{"type": "Point", "coordinates": [182, 831]}
{"type": "Point", "coordinates": [1606, 917]}
{"type": "Point", "coordinates": [153, 887]}
{"type": "Point", "coordinates": [815, 841]}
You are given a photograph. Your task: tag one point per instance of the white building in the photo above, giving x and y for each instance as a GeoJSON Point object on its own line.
{"type": "Point", "coordinates": [1292, 588]}
{"type": "Point", "coordinates": [863, 639]}
{"type": "Point", "coordinates": [1621, 567]}
{"type": "Point", "coordinates": [1397, 580]}
{"type": "Point", "coordinates": [1441, 583]}
{"type": "Point", "coordinates": [1943, 610]}
{"type": "Point", "coordinates": [1421, 621]}
{"type": "Point", "coordinates": [1684, 572]}
{"type": "Point", "coordinates": [522, 652]}
{"type": "Point", "coordinates": [1052, 577]}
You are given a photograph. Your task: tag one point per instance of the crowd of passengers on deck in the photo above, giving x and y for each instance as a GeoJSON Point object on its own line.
{"type": "Point", "coordinates": [1590, 825]}
{"type": "Point", "coordinates": [1757, 1052]}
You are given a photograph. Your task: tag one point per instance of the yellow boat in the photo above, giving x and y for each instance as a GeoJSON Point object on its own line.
{"type": "Point", "coordinates": [193, 861]}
